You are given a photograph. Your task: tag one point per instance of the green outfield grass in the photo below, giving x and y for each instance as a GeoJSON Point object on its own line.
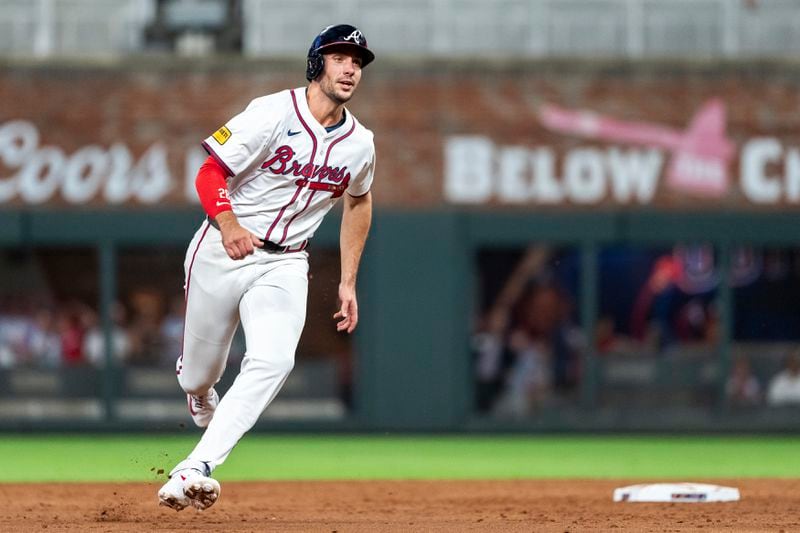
{"type": "Point", "coordinates": [279, 457]}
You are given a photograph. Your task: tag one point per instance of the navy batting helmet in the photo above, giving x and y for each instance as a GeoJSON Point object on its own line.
{"type": "Point", "coordinates": [339, 35]}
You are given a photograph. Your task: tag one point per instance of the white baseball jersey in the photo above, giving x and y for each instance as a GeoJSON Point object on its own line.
{"type": "Point", "coordinates": [288, 171]}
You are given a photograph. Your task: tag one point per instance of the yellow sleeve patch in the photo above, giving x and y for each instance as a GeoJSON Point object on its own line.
{"type": "Point", "coordinates": [222, 135]}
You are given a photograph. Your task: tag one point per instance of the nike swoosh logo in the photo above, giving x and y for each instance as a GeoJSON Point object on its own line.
{"type": "Point", "coordinates": [292, 133]}
{"type": "Point", "coordinates": [223, 203]}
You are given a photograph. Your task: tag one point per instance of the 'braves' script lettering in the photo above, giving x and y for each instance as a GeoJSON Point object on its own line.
{"type": "Point", "coordinates": [283, 163]}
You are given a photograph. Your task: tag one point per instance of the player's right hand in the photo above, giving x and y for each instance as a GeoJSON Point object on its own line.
{"type": "Point", "coordinates": [237, 241]}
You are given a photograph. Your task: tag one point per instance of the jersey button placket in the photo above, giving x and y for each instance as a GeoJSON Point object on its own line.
{"type": "Point", "coordinates": [323, 142]}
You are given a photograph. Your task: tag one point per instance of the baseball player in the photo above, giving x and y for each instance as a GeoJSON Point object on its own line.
{"type": "Point", "coordinates": [272, 174]}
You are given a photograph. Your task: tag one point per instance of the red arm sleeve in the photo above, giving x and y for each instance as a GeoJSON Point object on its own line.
{"type": "Point", "coordinates": [212, 188]}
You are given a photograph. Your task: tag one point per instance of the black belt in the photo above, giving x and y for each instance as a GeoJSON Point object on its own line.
{"type": "Point", "coordinates": [270, 246]}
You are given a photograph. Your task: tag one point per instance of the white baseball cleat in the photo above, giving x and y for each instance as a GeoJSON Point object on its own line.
{"type": "Point", "coordinates": [189, 487]}
{"type": "Point", "coordinates": [202, 407]}
{"type": "Point", "coordinates": [203, 492]}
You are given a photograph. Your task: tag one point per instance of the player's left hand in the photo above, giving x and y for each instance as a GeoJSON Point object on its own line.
{"type": "Point", "coordinates": [348, 311]}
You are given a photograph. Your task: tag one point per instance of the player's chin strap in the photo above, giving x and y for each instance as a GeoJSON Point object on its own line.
{"type": "Point", "coordinates": [270, 246]}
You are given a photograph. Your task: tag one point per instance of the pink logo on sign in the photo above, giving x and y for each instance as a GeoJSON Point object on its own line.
{"type": "Point", "coordinates": [700, 155]}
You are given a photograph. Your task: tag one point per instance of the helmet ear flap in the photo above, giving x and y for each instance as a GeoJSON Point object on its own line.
{"type": "Point", "coordinates": [314, 65]}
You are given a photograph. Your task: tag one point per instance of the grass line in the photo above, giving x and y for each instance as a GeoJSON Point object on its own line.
{"type": "Point", "coordinates": [32, 458]}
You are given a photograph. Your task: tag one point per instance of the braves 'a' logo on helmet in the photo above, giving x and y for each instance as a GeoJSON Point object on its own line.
{"type": "Point", "coordinates": [357, 37]}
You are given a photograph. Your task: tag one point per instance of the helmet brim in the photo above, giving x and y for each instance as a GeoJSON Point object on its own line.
{"type": "Point", "coordinates": [367, 56]}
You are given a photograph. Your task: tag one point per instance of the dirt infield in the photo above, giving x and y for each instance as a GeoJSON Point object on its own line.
{"type": "Point", "coordinates": [558, 506]}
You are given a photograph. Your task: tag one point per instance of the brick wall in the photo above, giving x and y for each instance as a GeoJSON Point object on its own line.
{"type": "Point", "coordinates": [155, 113]}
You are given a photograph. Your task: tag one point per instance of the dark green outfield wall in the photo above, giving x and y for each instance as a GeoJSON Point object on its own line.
{"type": "Point", "coordinates": [416, 286]}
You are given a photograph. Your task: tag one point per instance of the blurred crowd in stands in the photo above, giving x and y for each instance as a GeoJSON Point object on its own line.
{"type": "Point", "coordinates": [745, 389]}
{"type": "Point", "coordinates": [528, 343]}
{"type": "Point", "coordinates": [147, 330]}
{"type": "Point", "coordinates": [528, 347]}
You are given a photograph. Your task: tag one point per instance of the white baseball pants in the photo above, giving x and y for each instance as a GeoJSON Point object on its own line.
{"type": "Point", "coordinates": [268, 293]}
